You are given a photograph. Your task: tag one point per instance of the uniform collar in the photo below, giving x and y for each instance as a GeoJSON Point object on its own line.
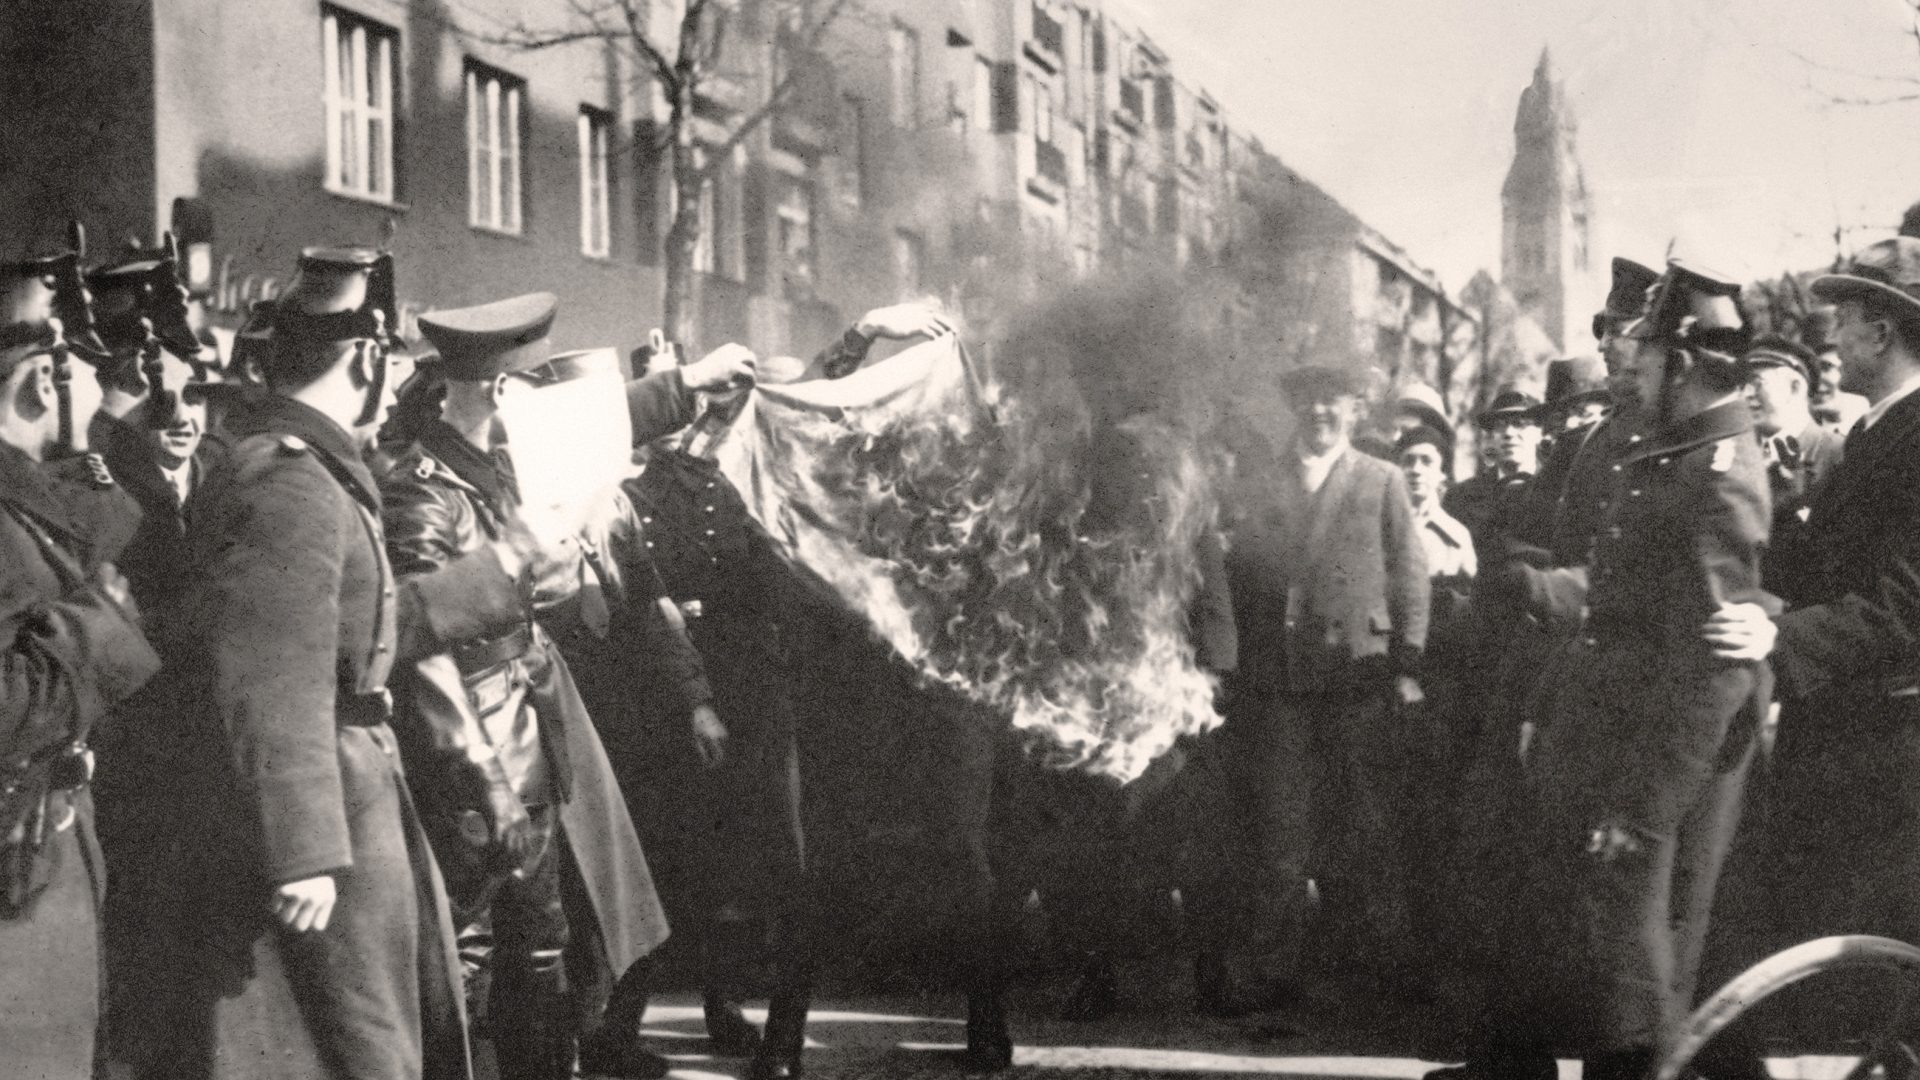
{"type": "Point", "coordinates": [1726, 419]}
{"type": "Point", "coordinates": [277, 414]}
{"type": "Point", "coordinates": [473, 466]}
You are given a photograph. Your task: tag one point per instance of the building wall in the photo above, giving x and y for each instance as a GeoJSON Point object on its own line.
{"type": "Point", "coordinates": [1007, 147]}
{"type": "Point", "coordinates": [76, 87]}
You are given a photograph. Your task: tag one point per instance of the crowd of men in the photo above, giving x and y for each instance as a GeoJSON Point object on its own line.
{"type": "Point", "coordinates": [304, 773]}
{"type": "Point", "coordinates": [326, 752]}
{"type": "Point", "coordinates": [1649, 673]}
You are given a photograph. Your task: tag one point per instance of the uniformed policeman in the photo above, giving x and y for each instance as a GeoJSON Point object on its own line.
{"type": "Point", "coordinates": [73, 652]}
{"type": "Point", "coordinates": [1645, 733]}
{"type": "Point", "coordinates": [557, 887]}
{"type": "Point", "coordinates": [306, 930]}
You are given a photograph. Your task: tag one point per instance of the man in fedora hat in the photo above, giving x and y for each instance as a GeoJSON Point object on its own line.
{"type": "Point", "coordinates": [1577, 396]}
{"type": "Point", "coordinates": [1490, 502]}
{"type": "Point", "coordinates": [1833, 406]}
{"type": "Point", "coordinates": [1330, 594]}
{"type": "Point", "coordinates": [1844, 813]}
{"type": "Point", "coordinates": [74, 651]}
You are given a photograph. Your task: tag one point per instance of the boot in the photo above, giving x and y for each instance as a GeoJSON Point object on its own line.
{"type": "Point", "coordinates": [613, 1047]}
{"type": "Point", "coordinates": [989, 1042]}
{"type": "Point", "coordinates": [1096, 995]}
{"type": "Point", "coordinates": [729, 1032]}
{"type": "Point", "coordinates": [725, 951]}
{"type": "Point", "coordinates": [780, 1054]}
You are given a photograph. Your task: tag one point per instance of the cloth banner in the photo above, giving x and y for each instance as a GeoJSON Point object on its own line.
{"type": "Point", "coordinates": [903, 488]}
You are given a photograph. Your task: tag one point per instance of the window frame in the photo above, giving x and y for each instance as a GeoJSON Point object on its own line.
{"type": "Point", "coordinates": [496, 107]}
{"type": "Point", "coordinates": [366, 119]}
{"type": "Point", "coordinates": [594, 152]}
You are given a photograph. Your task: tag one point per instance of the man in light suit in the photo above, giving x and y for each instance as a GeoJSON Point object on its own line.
{"type": "Point", "coordinates": [1331, 633]}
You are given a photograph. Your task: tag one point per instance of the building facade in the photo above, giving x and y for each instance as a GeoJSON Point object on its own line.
{"type": "Point", "coordinates": [971, 150]}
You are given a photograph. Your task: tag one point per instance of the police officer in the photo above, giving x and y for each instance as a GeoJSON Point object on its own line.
{"type": "Point", "coordinates": [561, 890]}
{"type": "Point", "coordinates": [74, 651]}
{"type": "Point", "coordinates": [1646, 734]}
{"type": "Point", "coordinates": [307, 933]}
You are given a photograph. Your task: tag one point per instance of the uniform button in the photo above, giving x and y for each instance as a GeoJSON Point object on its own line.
{"type": "Point", "coordinates": [1616, 468]}
{"type": "Point", "coordinates": [649, 543]}
{"type": "Point", "coordinates": [1635, 493]}
{"type": "Point", "coordinates": [709, 532]}
{"type": "Point", "coordinates": [388, 593]}
{"type": "Point", "coordinates": [1613, 532]}
{"type": "Point", "coordinates": [380, 648]}
{"type": "Point", "coordinates": [715, 560]}
{"type": "Point", "coordinates": [709, 485]}
{"type": "Point", "coordinates": [646, 521]}
{"type": "Point", "coordinates": [709, 509]}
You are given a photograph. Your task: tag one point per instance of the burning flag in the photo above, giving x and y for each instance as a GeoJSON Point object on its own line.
{"type": "Point", "coordinates": [1040, 568]}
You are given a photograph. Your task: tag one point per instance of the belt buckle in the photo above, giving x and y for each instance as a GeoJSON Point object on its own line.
{"type": "Point", "coordinates": [73, 770]}
{"type": "Point", "coordinates": [692, 609]}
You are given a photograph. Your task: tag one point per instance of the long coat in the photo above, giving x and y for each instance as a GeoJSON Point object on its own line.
{"type": "Point", "coordinates": [273, 762]}
{"type": "Point", "coordinates": [1642, 727]}
{"type": "Point", "coordinates": [443, 500]}
{"type": "Point", "coordinates": [1844, 811]}
{"type": "Point", "coordinates": [71, 655]}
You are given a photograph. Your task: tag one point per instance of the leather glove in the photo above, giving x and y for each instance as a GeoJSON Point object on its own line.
{"type": "Point", "coordinates": [501, 827]}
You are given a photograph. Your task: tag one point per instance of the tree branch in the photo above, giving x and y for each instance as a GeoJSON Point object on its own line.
{"type": "Point", "coordinates": [663, 69]}
{"type": "Point", "coordinates": [781, 90]}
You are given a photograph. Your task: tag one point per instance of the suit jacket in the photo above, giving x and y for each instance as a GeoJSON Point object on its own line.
{"type": "Point", "coordinates": [1795, 481]}
{"type": "Point", "coordinates": [1330, 588]}
{"type": "Point", "coordinates": [154, 561]}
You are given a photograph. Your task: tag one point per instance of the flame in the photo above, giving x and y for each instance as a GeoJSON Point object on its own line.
{"type": "Point", "coordinates": [1006, 589]}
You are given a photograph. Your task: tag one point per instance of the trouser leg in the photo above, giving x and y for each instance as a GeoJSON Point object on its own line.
{"type": "Point", "coordinates": [533, 1023]}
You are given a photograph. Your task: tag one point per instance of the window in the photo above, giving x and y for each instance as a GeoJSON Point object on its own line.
{"type": "Point", "coordinates": [358, 55]}
{"type": "Point", "coordinates": [595, 233]}
{"type": "Point", "coordinates": [909, 262]}
{"type": "Point", "coordinates": [493, 148]}
{"type": "Point", "coordinates": [855, 134]}
{"type": "Point", "coordinates": [983, 92]}
{"type": "Point", "coordinates": [903, 50]}
{"type": "Point", "coordinates": [794, 218]}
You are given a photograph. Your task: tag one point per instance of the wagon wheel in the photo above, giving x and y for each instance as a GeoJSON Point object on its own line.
{"type": "Point", "coordinates": [1887, 1054]}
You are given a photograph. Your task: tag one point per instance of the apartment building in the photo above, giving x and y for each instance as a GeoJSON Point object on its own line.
{"type": "Point", "coordinates": [974, 150]}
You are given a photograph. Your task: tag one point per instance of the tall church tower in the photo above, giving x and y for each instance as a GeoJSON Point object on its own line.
{"type": "Point", "coordinates": [1546, 261]}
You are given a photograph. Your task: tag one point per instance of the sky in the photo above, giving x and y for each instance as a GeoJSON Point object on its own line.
{"type": "Point", "coordinates": [1707, 125]}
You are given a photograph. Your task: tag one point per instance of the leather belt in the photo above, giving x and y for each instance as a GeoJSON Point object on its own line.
{"type": "Point", "coordinates": [480, 655]}
{"type": "Point", "coordinates": [364, 710]}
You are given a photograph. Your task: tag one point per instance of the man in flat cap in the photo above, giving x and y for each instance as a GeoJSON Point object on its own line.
{"type": "Point", "coordinates": [74, 651]}
{"type": "Point", "coordinates": [1844, 815]}
{"type": "Point", "coordinates": [304, 928]}
{"type": "Point", "coordinates": [1798, 450]}
{"type": "Point", "coordinates": [556, 887]}
{"type": "Point", "coordinates": [1330, 595]}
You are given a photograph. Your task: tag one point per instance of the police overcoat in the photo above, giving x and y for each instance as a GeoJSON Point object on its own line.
{"type": "Point", "coordinates": [71, 655]}
{"type": "Point", "coordinates": [1641, 726]}
{"type": "Point", "coordinates": [445, 499]}
{"type": "Point", "coordinates": [274, 763]}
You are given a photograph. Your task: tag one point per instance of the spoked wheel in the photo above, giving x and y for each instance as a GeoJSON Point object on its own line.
{"type": "Point", "coordinates": [1882, 1045]}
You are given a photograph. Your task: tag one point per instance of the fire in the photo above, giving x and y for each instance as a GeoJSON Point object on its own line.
{"type": "Point", "coordinates": [1037, 568]}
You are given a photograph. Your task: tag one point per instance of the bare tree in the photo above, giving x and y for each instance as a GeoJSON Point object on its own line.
{"type": "Point", "coordinates": [1894, 88]}
{"type": "Point", "coordinates": [680, 63]}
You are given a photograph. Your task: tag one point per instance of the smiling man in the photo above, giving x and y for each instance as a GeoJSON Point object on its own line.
{"type": "Point", "coordinates": [1331, 634]}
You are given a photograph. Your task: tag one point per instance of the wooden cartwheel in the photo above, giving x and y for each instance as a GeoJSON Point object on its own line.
{"type": "Point", "coordinates": [1887, 1054]}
